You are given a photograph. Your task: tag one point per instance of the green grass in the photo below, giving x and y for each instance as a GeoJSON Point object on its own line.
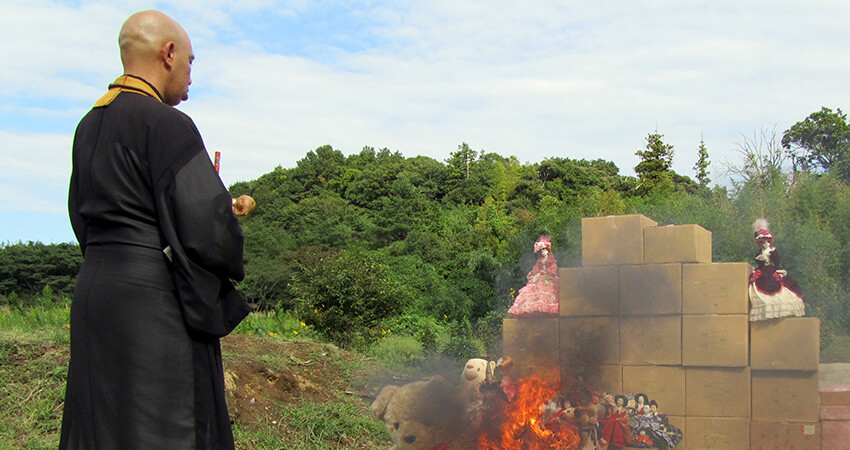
{"type": "Point", "coordinates": [32, 389]}
{"type": "Point", "coordinates": [335, 424]}
{"type": "Point", "coordinates": [275, 323]}
{"type": "Point", "coordinates": [36, 324]}
{"type": "Point", "coordinates": [34, 364]}
{"type": "Point", "coordinates": [837, 351]}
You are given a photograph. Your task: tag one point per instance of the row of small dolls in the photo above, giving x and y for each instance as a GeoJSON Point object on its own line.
{"type": "Point", "coordinates": [603, 420]}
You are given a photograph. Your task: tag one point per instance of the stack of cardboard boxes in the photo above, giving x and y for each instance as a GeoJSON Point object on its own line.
{"type": "Point", "coordinates": [649, 312]}
{"type": "Point", "coordinates": [784, 358]}
{"type": "Point", "coordinates": [835, 419]}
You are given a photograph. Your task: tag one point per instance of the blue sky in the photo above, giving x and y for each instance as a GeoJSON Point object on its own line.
{"type": "Point", "coordinates": [275, 79]}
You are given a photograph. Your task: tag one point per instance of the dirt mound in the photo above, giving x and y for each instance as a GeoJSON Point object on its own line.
{"type": "Point", "coordinates": [261, 373]}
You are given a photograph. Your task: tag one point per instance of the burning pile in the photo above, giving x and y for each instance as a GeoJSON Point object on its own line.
{"type": "Point", "coordinates": [531, 413]}
{"type": "Point", "coordinates": [540, 416]}
{"type": "Point", "coordinates": [531, 421]}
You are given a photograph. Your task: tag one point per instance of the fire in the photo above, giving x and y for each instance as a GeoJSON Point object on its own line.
{"type": "Point", "coordinates": [523, 425]}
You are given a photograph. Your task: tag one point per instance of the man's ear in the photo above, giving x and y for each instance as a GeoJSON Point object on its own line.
{"type": "Point", "coordinates": [166, 52]}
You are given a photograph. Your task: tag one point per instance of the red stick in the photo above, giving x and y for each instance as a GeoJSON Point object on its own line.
{"type": "Point", "coordinates": [217, 161]}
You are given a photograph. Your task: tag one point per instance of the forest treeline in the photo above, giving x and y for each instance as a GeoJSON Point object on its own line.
{"type": "Point", "coordinates": [375, 244]}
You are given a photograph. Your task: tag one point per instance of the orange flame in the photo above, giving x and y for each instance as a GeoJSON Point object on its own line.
{"type": "Point", "coordinates": [523, 426]}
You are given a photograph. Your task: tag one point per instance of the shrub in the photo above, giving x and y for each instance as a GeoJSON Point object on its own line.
{"type": "Point", "coordinates": [276, 322]}
{"type": "Point", "coordinates": [28, 268]}
{"type": "Point", "coordinates": [344, 294]}
{"type": "Point", "coordinates": [427, 331]}
{"type": "Point", "coordinates": [397, 350]}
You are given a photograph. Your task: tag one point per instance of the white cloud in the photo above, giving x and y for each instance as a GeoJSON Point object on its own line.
{"type": "Point", "coordinates": [551, 78]}
{"type": "Point", "coordinates": [44, 158]}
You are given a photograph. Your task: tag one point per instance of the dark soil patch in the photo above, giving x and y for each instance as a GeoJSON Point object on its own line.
{"type": "Point", "coordinates": [261, 374]}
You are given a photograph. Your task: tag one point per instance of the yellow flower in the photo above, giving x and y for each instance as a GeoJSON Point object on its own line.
{"type": "Point", "coordinates": [303, 324]}
{"type": "Point", "coordinates": [68, 325]}
{"type": "Point", "coordinates": [445, 316]}
{"type": "Point", "coordinates": [294, 332]}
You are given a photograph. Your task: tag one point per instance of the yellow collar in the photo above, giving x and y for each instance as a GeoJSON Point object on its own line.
{"type": "Point", "coordinates": [127, 83]}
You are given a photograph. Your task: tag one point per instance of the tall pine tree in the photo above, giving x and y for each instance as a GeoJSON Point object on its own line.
{"type": "Point", "coordinates": [654, 169]}
{"type": "Point", "coordinates": [701, 166]}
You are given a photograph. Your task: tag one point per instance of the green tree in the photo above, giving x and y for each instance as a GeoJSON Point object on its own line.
{"type": "Point", "coordinates": [654, 169]}
{"type": "Point", "coordinates": [318, 171]}
{"type": "Point", "coordinates": [326, 220]}
{"type": "Point", "coordinates": [821, 140]}
{"type": "Point", "coordinates": [369, 177]}
{"type": "Point", "coordinates": [462, 161]}
{"type": "Point", "coordinates": [428, 175]}
{"type": "Point", "coordinates": [469, 175]}
{"type": "Point", "coordinates": [399, 212]}
{"type": "Point", "coordinates": [701, 166]}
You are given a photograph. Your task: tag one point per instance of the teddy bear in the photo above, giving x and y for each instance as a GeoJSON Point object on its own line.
{"type": "Point", "coordinates": [424, 415]}
{"type": "Point", "coordinates": [476, 372]}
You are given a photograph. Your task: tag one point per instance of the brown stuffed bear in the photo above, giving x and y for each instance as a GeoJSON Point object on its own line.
{"type": "Point", "coordinates": [424, 415]}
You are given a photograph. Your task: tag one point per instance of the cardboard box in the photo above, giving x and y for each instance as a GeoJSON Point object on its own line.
{"type": "Point", "coordinates": [717, 392]}
{"type": "Point", "coordinates": [786, 435]}
{"type": "Point", "coordinates": [834, 412]}
{"type": "Point", "coordinates": [791, 343]}
{"type": "Point", "coordinates": [651, 340]}
{"type": "Point", "coordinates": [532, 344]}
{"type": "Point", "coordinates": [613, 240]}
{"type": "Point", "coordinates": [651, 289]}
{"type": "Point", "coordinates": [664, 384]}
{"type": "Point", "coordinates": [835, 397]}
{"type": "Point", "coordinates": [835, 435]}
{"type": "Point", "coordinates": [717, 433]}
{"type": "Point", "coordinates": [601, 378]}
{"type": "Point", "coordinates": [716, 288]}
{"type": "Point", "coordinates": [589, 291]}
{"type": "Point", "coordinates": [715, 340]}
{"type": "Point", "coordinates": [785, 396]}
{"type": "Point", "coordinates": [589, 341]}
{"type": "Point", "coordinates": [677, 243]}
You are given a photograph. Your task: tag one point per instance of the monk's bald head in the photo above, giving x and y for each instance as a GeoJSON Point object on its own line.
{"type": "Point", "coordinates": [155, 47]}
{"type": "Point", "coordinates": [143, 34]}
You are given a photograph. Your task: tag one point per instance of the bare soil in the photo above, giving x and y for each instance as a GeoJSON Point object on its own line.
{"type": "Point", "coordinates": [261, 373]}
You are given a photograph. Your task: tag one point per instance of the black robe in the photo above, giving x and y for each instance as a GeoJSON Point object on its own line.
{"type": "Point", "coordinates": [153, 296]}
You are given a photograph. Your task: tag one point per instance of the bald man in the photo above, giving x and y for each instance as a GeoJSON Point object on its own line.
{"type": "Point", "coordinates": [161, 244]}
